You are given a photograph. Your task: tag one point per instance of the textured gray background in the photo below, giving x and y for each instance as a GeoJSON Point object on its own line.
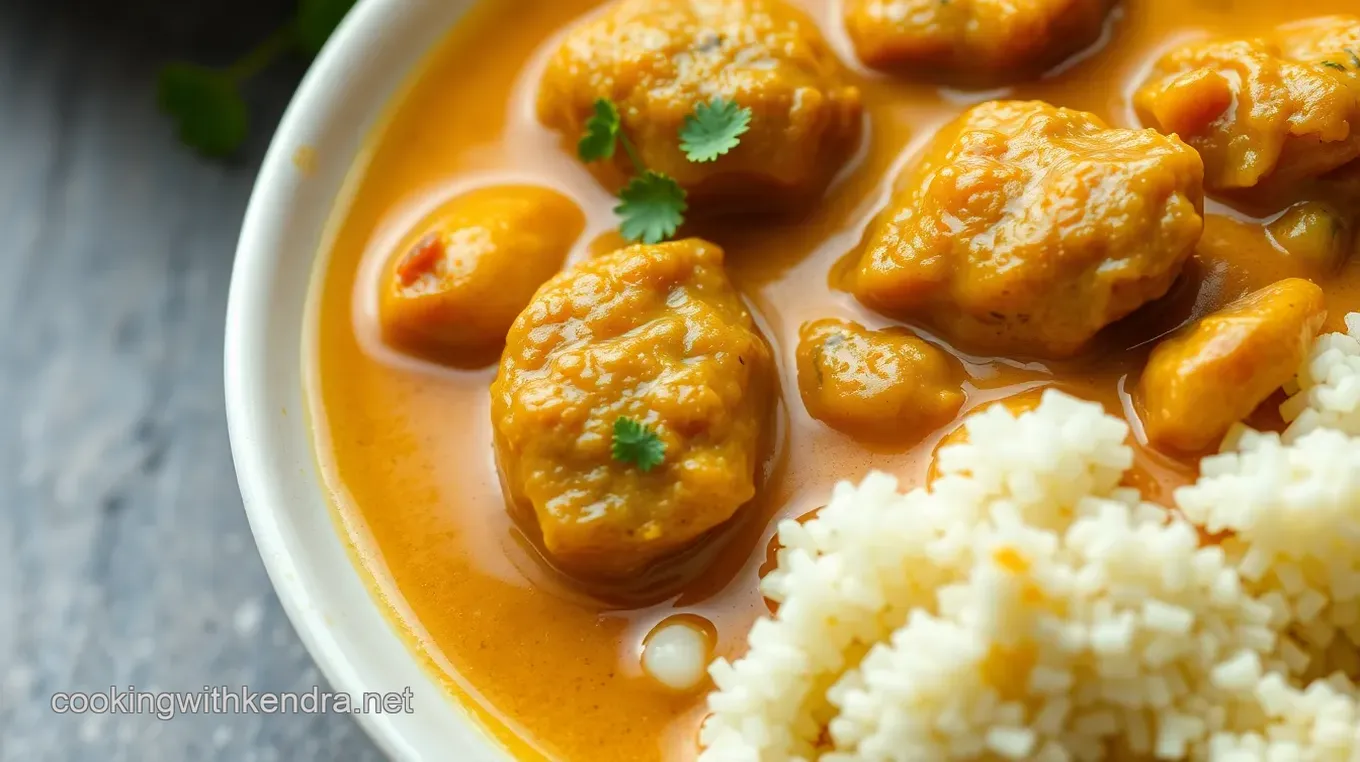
{"type": "Point", "coordinates": [124, 554]}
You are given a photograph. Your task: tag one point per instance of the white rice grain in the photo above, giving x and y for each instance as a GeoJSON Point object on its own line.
{"type": "Point", "coordinates": [1326, 394]}
{"type": "Point", "coordinates": [1294, 513]}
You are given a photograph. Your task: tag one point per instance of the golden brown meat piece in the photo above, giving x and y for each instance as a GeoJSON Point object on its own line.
{"type": "Point", "coordinates": [1200, 382]}
{"type": "Point", "coordinates": [657, 59]}
{"type": "Point", "coordinates": [881, 383]}
{"type": "Point", "coordinates": [975, 40]}
{"type": "Point", "coordinates": [1314, 234]}
{"type": "Point", "coordinates": [457, 283]}
{"type": "Point", "coordinates": [655, 334]}
{"type": "Point", "coordinates": [1027, 228]}
{"type": "Point", "coordinates": [1263, 112]}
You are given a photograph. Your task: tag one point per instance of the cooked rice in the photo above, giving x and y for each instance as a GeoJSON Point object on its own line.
{"type": "Point", "coordinates": [1294, 516]}
{"type": "Point", "coordinates": [1027, 607]}
{"type": "Point", "coordinates": [1326, 394]}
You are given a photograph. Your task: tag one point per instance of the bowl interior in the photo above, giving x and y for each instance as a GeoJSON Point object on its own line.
{"type": "Point", "coordinates": [344, 96]}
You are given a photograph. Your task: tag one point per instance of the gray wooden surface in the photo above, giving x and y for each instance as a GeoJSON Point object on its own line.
{"type": "Point", "coordinates": [125, 557]}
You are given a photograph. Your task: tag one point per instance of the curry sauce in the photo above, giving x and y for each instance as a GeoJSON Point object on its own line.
{"type": "Point", "coordinates": [407, 446]}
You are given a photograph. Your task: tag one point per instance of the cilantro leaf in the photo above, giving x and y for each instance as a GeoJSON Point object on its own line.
{"type": "Point", "coordinates": [713, 129]}
{"type": "Point", "coordinates": [317, 19]}
{"type": "Point", "coordinates": [1334, 65]}
{"type": "Point", "coordinates": [635, 443]}
{"type": "Point", "coordinates": [653, 206]}
{"type": "Point", "coordinates": [206, 103]}
{"type": "Point", "coordinates": [602, 133]}
{"type": "Point", "coordinates": [207, 107]}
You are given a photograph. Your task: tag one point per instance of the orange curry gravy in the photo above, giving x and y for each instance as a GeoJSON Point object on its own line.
{"type": "Point", "coordinates": [406, 447]}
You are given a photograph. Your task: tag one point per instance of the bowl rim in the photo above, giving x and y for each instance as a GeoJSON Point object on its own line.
{"type": "Point", "coordinates": [286, 202]}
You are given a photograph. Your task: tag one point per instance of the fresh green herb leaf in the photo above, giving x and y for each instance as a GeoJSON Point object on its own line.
{"type": "Point", "coordinates": [317, 20]}
{"type": "Point", "coordinates": [602, 133]}
{"type": "Point", "coordinates": [206, 103]}
{"type": "Point", "coordinates": [1355, 58]}
{"type": "Point", "coordinates": [713, 129]}
{"type": "Point", "coordinates": [210, 115]}
{"type": "Point", "coordinates": [653, 206]}
{"type": "Point", "coordinates": [635, 443]}
{"type": "Point", "coordinates": [1334, 65]}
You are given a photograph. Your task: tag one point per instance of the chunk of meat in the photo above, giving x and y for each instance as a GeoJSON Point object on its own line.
{"type": "Point", "coordinates": [1027, 228]}
{"type": "Point", "coordinates": [656, 334]}
{"type": "Point", "coordinates": [1267, 112]}
{"type": "Point", "coordinates": [1315, 234]}
{"type": "Point", "coordinates": [975, 40]}
{"type": "Point", "coordinates": [1200, 382]}
{"type": "Point", "coordinates": [455, 285]}
{"type": "Point", "coordinates": [882, 383]}
{"type": "Point", "coordinates": [658, 59]}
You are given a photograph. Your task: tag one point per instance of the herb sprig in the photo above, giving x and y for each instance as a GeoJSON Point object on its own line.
{"type": "Point", "coordinates": [602, 133]}
{"type": "Point", "coordinates": [652, 204]}
{"type": "Point", "coordinates": [206, 104]}
{"type": "Point", "coordinates": [635, 443]}
{"type": "Point", "coordinates": [713, 129]}
{"type": "Point", "coordinates": [1339, 66]}
{"type": "Point", "coordinates": [651, 207]}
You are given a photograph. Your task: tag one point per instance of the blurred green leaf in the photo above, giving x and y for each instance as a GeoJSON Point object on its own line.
{"type": "Point", "coordinates": [206, 105]}
{"type": "Point", "coordinates": [317, 19]}
{"type": "Point", "coordinates": [602, 132]}
{"type": "Point", "coordinates": [210, 114]}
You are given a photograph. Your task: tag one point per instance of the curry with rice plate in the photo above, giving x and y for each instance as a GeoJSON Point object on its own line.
{"type": "Point", "coordinates": [757, 380]}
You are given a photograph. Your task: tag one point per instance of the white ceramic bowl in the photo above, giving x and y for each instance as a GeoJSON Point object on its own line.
{"type": "Point", "coordinates": [349, 88]}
